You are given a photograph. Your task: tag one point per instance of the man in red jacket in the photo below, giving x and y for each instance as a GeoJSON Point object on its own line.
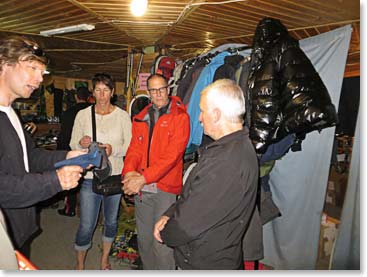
{"type": "Point", "coordinates": [153, 167]}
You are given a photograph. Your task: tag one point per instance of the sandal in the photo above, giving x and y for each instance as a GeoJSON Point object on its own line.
{"type": "Point", "coordinates": [107, 267]}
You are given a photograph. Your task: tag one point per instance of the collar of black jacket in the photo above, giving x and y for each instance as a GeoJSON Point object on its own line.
{"type": "Point", "coordinates": [240, 134]}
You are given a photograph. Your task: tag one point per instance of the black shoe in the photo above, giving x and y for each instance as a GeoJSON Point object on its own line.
{"type": "Point", "coordinates": [63, 212]}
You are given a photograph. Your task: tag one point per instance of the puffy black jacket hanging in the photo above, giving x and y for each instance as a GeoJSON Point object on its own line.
{"type": "Point", "coordinates": [285, 92]}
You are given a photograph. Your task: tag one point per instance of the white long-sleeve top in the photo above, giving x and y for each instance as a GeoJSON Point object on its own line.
{"type": "Point", "coordinates": [113, 128]}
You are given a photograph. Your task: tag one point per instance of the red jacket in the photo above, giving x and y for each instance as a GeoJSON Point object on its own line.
{"type": "Point", "coordinates": [170, 136]}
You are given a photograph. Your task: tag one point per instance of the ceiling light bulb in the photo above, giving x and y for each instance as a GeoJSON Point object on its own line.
{"type": "Point", "coordinates": [138, 7]}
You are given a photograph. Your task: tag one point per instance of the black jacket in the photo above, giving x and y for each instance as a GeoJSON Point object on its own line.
{"type": "Point", "coordinates": [67, 123]}
{"type": "Point", "coordinates": [284, 90]}
{"type": "Point", "coordinates": [19, 191]}
{"type": "Point", "coordinates": [228, 69]}
{"type": "Point", "coordinates": [209, 220]}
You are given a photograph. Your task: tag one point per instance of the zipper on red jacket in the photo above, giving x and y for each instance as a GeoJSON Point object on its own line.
{"type": "Point", "coordinates": [150, 138]}
{"type": "Point", "coordinates": [142, 121]}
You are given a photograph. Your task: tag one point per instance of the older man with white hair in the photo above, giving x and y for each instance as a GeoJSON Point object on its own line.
{"type": "Point", "coordinates": [207, 224]}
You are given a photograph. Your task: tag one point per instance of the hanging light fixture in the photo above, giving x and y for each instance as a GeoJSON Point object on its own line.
{"type": "Point", "coordinates": [138, 7]}
{"type": "Point", "coordinates": [68, 29]}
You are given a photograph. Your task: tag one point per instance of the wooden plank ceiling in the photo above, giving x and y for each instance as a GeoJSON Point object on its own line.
{"type": "Point", "coordinates": [184, 28]}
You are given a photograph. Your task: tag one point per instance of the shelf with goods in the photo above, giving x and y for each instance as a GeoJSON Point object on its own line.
{"type": "Point", "coordinates": [46, 135]}
{"type": "Point", "coordinates": [27, 108]}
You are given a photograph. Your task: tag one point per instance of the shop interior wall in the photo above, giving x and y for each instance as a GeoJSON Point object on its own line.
{"type": "Point", "coordinates": [69, 84]}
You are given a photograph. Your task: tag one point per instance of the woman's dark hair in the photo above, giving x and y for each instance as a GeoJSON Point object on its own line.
{"type": "Point", "coordinates": [103, 78]}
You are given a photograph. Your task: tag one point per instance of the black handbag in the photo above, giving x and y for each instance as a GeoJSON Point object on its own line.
{"type": "Point", "coordinates": [112, 184]}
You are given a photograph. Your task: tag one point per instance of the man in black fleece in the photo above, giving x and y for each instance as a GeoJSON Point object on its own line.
{"type": "Point", "coordinates": [27, 173]}
{"type": "Point", "coordinates": [63, 141]}
{"type": "Point", "coordinates": [206, 225]}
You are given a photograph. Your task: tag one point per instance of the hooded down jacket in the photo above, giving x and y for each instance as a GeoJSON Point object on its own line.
{"type": "Point", "coordinates": [285, 92]}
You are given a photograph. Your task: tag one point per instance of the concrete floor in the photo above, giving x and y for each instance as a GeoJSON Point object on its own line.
{"type": "Point", "coordinates": [53, 249]}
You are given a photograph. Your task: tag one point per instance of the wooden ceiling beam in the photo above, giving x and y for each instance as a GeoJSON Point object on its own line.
{"type": "Point", "coordinates": [99, 17]}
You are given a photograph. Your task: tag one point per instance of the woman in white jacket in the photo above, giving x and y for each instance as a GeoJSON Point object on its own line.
{"type": "Point", "coordinates": [113, 131]}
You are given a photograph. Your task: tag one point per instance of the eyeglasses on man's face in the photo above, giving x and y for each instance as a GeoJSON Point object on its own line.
{"type": "Point", "coordinates": [161, 90]}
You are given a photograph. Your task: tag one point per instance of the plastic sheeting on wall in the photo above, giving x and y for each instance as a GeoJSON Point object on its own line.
{"type": "Point", "coordinates": [299, 180]}
{"type": "Point", "coordinates": [346, 254]}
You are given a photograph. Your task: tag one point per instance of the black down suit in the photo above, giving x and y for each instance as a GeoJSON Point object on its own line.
{"type": "Point", "coordinates": [284, 91]}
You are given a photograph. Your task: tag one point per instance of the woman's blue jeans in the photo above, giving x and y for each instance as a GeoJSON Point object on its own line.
{"type": "Point", "coordinates": [90, 203]}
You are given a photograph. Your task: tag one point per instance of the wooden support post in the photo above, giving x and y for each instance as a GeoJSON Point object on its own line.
{"type": "Point", "coordinates": [129, 62]}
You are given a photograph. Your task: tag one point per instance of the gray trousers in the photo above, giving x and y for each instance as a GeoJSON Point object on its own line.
{"type": "Point", "coordinates": [148, 209]}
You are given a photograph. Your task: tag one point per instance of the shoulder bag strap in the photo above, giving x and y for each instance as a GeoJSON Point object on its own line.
{"type": "Point", "coordinates": [94, 123]}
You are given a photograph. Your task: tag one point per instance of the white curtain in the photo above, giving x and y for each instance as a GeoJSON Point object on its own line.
{"type": "Point", "coordinates": [299, 180]}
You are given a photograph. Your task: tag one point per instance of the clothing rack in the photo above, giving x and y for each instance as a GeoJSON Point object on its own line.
{"type": "Point", "coordinates": [233, 50]}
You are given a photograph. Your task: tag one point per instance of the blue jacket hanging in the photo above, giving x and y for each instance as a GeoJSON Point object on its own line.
{"type": "Point", "coordinates": [205, 78]}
